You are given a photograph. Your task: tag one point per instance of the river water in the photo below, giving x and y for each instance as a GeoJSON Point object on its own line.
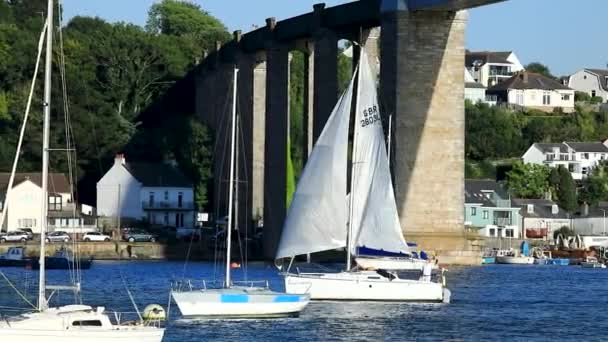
{"type": "Point", "coordinates": [516, 303]}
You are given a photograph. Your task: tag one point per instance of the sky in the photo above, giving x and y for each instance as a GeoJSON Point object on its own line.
{"type": "Point", "coordinates": [566, 35]}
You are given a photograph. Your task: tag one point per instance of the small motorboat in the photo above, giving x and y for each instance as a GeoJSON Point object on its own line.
{"type": "Point", "coordinates": [14, 257]}
{"type": "Point", "coordinates": [514, 260]}
{"type": "Point", "coordinates": [592, 262]}
{"type": "Point", "coordinates": [63, 260]}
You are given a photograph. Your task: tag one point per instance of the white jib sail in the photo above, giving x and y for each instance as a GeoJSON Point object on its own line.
{"type": "Point", "coordinates": [316, 220]}
{"type": "Point", "coordinates": [375, 219]}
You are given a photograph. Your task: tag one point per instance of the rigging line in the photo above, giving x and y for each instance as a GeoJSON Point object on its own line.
{"type": "Point", "coordinates": [70, 143]}
{"type": "Point", "coordinates": [17, 291]}
{"type": "Point", "coordinates": [218, 257]}
{"type": "Point", "coordinates": [243, 157]}
{"type": "Point", "coordinates": [22, 132]}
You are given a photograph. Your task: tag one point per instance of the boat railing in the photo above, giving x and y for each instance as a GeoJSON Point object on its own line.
{"type": "Point", "coordinates": [130, 318]}
{"type": "Point", "coordinates": [314, 268]}
{"type": "Point", "coordinates": [252, 283]}
{"type": "Point", "coordinates": [190, 285]}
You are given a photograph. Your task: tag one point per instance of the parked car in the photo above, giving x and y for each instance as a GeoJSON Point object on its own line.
{"type": "Point", "coordinates": [28, 231]}
{"type": "Point", "coordinates": [15, 236]}
{"type": "Point", "coordinates": [133, 235]}
{"type": "Point", "coordinates": [96, 236]}
{"type": "Point", "coordinates": [57, 237]}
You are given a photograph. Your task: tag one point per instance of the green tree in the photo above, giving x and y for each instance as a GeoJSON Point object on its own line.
{"type": "Point", "coordinates": [186, 19]}
{"type": "Point", "coordinates": [539, 68]}
{"type": "Point", "coordinates": [528, 180]}
{"type": "Point", "coordinates": [595, 186]}
{"type": "Point", "coordinates": [566, 197]}
{"type": "Point", "coordinates": [493, 132]}
{"type": "Point", "coordinates": [581, 96]}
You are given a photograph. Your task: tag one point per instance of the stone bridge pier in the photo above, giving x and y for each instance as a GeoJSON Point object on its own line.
{"type": "Point", "coordinates": [420, 48]}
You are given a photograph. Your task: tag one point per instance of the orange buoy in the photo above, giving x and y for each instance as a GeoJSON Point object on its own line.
{"type": "Point", "coordinates": [235, 265]}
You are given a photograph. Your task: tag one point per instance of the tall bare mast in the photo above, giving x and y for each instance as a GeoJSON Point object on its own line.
{"type": "Point", "coordinates": [231, 180]}
{"type": "Point", "coordinates": [42, 302]}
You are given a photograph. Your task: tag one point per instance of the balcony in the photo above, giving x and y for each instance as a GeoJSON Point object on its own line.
{"type": "Point", "coordinates": [164, 205]}
{"type": "Point", "coordinates": [503, 221]}
{"type": "Point", "coordinates": [551, 157]}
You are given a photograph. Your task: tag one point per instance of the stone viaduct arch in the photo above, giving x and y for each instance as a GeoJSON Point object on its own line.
{"type": "Point", "coordinates": [420, 45]}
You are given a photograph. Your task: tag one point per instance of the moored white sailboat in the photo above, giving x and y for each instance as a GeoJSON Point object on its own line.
{"type": "Point", "coordinates": [320, 220]}
{"type": "Point", "coordinates": [230, 301]}
{"type": "Point", "coordinates": [72, 322]}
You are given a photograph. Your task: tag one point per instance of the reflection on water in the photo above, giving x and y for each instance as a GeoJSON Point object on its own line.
{"type": "Point", "coordinates": [488, 303]}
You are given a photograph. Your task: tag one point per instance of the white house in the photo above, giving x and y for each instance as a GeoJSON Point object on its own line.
{"type": "Point", "coordinates": [473, 91]}
{"type": "Point", "coordinates": [490, 68]}
{"type": "Point", "coordinates": [540, 218]}
{"type": "Point", "coordinates": [591, 81]}
{"type": "Point", "coordinates": [534, 91]}
{"type": "Point", "coordinates": [159, 193]}
{"type": "Point", "coordinates": [578, 157]}
{"type": "Point", "coordinates": [24, 205]}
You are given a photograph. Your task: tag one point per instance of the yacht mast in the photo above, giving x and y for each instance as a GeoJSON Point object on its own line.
{"type": "Point", "coordinates": [354, 162]}
{"type": "Point", "coordinates": [42, 302]}
{"type": "Point", "coordinates": [231, 180]}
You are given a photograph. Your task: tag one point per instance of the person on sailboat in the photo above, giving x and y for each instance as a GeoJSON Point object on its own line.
{"type": "Point", "coordinates": [427, 271]}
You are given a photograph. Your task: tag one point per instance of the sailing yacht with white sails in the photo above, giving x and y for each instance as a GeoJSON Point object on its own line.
{"type": "Point", "coordinates": [232, 300]}
{"type": "Point", "coordinates": [319, 218]}
{"type": "Point", "coordinates": [71, 322]}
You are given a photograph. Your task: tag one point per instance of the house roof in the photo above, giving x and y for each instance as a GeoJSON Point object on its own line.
{"type": "Point", "coordinates": [499, 57]}
{"type": "Point", "coordinates": [528, 80]}
{"type": "Point", "coordinates": [158, 175]}
{"type": "Point", "coordinates": [548, 147]}
{"type": "Point", "coordinates": [603, 74]}
{"type": "Point", "coordinates": [475, 85]}
{"type": "Point", "coordinates": [475, 191]}
{"type": "Point", "coordinates": [542, 209]}
{"type": "Point", "coordinates": [593, 147]}
{"type": "Point", "coordinates": [58, 182]}
{"type": "Point", "coordinates": [588, 147]}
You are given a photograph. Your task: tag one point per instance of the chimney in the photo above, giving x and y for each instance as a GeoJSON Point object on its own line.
{"type": "Point", "coordinates": [120, 159]}
{"type": "Point", "coordinates": [585, 209]}
{"type": "Point", "coordinates": [524, 77]}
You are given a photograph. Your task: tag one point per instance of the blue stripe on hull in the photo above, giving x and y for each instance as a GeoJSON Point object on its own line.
{"type": "Point", "coordinates": [234, 298]}
{"type": "Point", "coordinates": [287, 299]}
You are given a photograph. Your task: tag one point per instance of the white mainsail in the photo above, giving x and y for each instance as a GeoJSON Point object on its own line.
{"type": "Point", "coordinates": [316, 220]}
{"type": "Point", "coordinates": [375, 219]}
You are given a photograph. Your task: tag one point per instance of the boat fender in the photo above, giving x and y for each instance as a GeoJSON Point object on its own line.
{"type": "Point", "coordinates": [154, 312]}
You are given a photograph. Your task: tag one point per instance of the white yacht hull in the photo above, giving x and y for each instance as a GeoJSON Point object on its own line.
{"type": "Point", "coordinates": [238, 303]}
{"type": "Point", "coordinates": [88, 335]}
{"type": "Point", "coordinates": [585, 264]}
{"type": "Point", "coordinates": [365, 286]}
{"type": "Point", "coordinates": [510, 260]}
{"type": "Point", "coordinates": [65, 324]}
{"type": "Point", "coordinates": [390, 263]}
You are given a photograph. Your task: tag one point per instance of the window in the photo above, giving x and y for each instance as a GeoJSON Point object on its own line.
{"type": "Point", "coordinates": [509, 233]}
{"type": "Point", "coordinates": [54, 203]}
{"type": "Point", "coordinates": [593, 93]}
{"type": "Point", "coordinates": [92, 323]}
{"type": "Point", "coordinates": [530, 208]}
{"type": "Point", "coordinates": [492, 232]}
{"type": "Point", "coordinates": [180, 197]}
{"type": "Point", "coordinates": [519, 97]}
{"type": "Point", "coordinates": [486, 214]}
{"type": "Point", "coordinates": [151, 199]}
{"type": "Point", "coordinates": [585, 155]}
{"type": "Point", "coordinates": [565, 97]}
{"type": "Point", "coordinates": [473, 211]}
{"type": "Point", "coordinates": [546, 98]}
{"type": "Point", "coordinates": [166, 219]}
{"type": "Point", "coordinates": [166, 195]}
{"type": "Point", "coordinates": [177, 221]}
{"type": "Point", "coordinates": [26, 223]}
